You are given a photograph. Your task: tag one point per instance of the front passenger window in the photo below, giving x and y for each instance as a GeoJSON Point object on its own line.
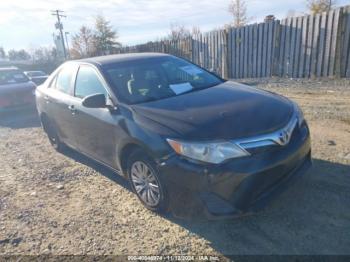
{"type": "Point", "coordinates": [88, 83]}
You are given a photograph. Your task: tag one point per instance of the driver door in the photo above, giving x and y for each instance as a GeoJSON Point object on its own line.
{"type": "Point", "coordinates": [96, 127]}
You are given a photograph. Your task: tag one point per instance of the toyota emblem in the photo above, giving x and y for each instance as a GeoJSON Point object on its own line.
{"type": "Point", "coordinates": [283, 137]}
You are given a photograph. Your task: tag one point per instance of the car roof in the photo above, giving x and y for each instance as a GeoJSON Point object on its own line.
{"type": "Point", "coordinates": [110, 59]}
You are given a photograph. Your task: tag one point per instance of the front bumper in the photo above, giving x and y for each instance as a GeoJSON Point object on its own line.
{"type": "Point", "coordinates": [238, 186]}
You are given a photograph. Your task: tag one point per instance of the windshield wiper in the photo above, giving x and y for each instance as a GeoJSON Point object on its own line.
{"type": "Point", "coordinates": [198, 88]}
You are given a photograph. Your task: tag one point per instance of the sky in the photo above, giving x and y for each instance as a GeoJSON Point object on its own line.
{"type": "Point", "coordinates": [29, 24]}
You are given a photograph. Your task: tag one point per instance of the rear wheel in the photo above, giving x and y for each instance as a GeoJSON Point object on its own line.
{"type": "Point", "coordinates": [53, 136]}
{"type": "Point", "coordinates": [146, 182]}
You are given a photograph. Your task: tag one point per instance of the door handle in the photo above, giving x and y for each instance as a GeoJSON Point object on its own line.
{"type": "Point", "coordinates": [47, 99]}
{"type": "Point", "coordinates": [72, 109]}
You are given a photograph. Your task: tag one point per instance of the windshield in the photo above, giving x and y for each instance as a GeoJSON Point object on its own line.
{"type": "Point", "coordinates": [157, 78]}
{"type": "Point", "coordinates": [12, 77]}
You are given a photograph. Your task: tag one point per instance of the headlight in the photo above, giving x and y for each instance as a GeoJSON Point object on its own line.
{"type": "Point", "coordinates": [299, 114]}
{"type": "Point", "coordinates": [208, 152]}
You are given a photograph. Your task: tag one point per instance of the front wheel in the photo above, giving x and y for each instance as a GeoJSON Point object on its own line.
{"type": "Point", "coordinates": [146, 182]}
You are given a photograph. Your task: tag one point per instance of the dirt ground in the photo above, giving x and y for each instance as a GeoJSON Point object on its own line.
{"type": "Point", "coordinates": [65, 204]}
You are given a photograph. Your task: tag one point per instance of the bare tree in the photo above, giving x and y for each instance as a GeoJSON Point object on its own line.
{"type": "Point", "coordinates": [44, 55]}
{"type": "Point", "coordinates": [2, 53]}
{"type": "Point", "coordinates": [269, 18]}
{"type": "Point", "coordinates": [238, 10]}
{"type": "Point", "coordinates": [83, 43]}
{"type": "Point", "coordinates": [106, 37]}
{"type": "Point", "coordinates": [195, 31]}
{"type": "Point", "coordinates": [101, 40]}
{"type": "Point", "coordinates": [178, 32]}
{"type": "Point", "coordinates": [16, 55]}
{"type": "Point", "coordinates": [319, 6]}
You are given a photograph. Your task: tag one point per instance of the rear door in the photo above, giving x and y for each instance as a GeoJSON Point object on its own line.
{"type": "Point", "coordinates": [58, 99]}
{"type": "Point", "coordinates": [97, 127]}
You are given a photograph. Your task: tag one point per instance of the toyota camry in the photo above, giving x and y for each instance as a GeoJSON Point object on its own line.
{"type": "Point", "coordinates": [180, 134]}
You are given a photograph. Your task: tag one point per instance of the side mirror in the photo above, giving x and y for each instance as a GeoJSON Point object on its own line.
{"type": "Point", "coordinates": [94, 101]}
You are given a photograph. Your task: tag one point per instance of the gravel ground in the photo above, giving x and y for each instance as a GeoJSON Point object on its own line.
{"type": "Point", "coordinates": [65, 204]}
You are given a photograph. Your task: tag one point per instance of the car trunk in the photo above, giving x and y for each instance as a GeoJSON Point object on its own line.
{"type": "Point", "coordinates": [12, 95]}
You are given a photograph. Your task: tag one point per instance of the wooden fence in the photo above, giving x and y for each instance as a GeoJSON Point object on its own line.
{"type": "Point", "coordinates": [298, 47]}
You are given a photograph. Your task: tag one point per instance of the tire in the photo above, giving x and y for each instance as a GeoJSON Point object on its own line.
{"type": "Point", "coordinates": [53, 136]}
{"type": "Point", "coordinates": [147, 184]}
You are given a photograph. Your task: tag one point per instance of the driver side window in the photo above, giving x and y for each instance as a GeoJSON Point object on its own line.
{"type": "Point", "coordinates": [88, 83]}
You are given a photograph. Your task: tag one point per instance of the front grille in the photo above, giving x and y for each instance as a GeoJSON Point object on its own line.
{"type": "Point", "coordinates": [262, 149]}
{"type": "Point", "coordinates": [283, 138]}
{"type": "Point", "coordinates": [274, 147]}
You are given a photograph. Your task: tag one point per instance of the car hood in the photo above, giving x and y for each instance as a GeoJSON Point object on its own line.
{"type": "Point", "coordinates": [226, 111]}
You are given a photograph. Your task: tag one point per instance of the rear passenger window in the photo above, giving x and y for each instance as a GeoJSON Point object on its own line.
{"type": "Point", "coordinates": [88, 83]}
{"type": "Point", "coordinates": [64, 79]}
